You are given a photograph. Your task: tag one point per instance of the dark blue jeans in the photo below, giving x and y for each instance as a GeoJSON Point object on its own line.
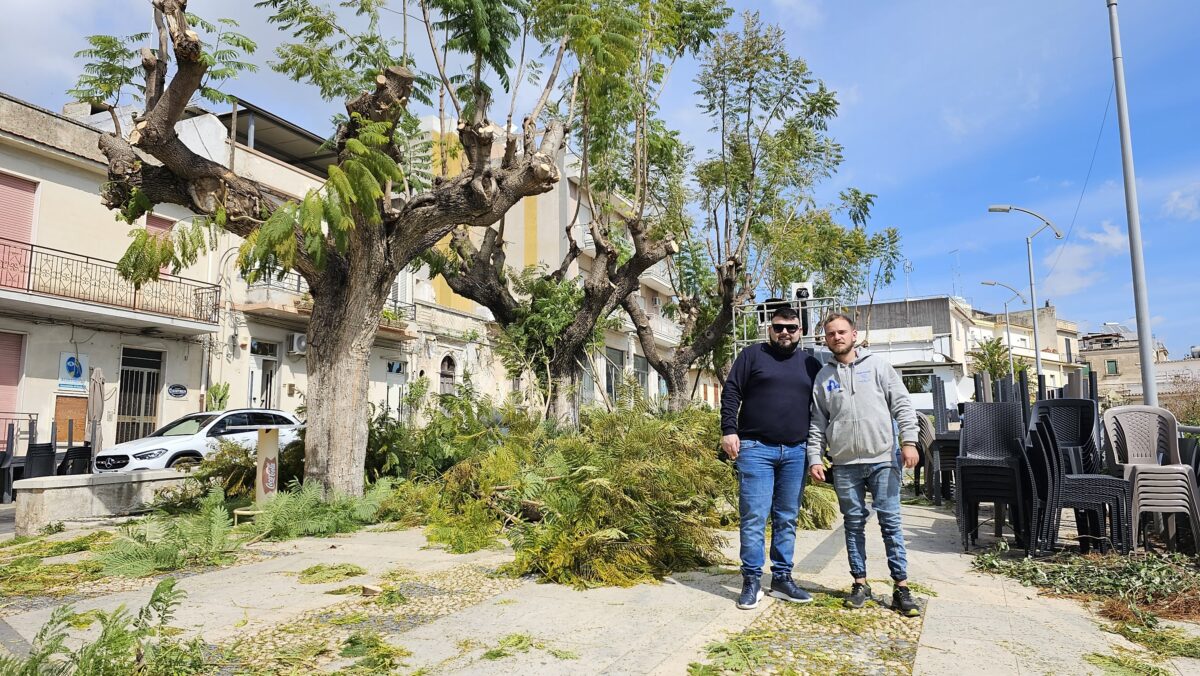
{"type": "Point", "coordinates": [851, 482]}
{"type": "Point", "coordinates": [770, 481]}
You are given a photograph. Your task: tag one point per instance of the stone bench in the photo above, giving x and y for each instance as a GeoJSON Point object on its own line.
{"type": "Point", "coordinates": [74, 497]}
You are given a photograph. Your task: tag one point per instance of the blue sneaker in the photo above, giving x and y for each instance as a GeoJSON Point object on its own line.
{"type": "Point", "coordinates": [786, 588]}
{"type": "Point", "coordinates": [752, 593]}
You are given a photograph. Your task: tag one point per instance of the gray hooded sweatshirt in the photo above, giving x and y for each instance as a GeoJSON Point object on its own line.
{"type": "Point", "coordinates": [852, 411]}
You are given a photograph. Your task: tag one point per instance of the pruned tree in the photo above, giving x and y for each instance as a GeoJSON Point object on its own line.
{"type": "Point", "coordinates": [623, 51]}
{"type": "Point", "coordinates": [372, 217]}
{"type": "Point", "coordinates": [991, 357]}
{"type": "Point", "coordinates": [758, 223]}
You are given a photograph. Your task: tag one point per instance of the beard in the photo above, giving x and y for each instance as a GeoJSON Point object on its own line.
{"type": "Point", "coordinates": [845, 349]}
{"type": "Point", "coordinates": [785, 349]}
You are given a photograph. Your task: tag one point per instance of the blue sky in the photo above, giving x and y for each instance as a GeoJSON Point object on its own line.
{"type": "Point", "coordinates": [946, 107]}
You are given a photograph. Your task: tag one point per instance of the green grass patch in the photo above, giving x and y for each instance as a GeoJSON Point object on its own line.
{"type": "Point", "coordinates": [1123, 663]}
{"type": "Point", "coordinates": [326, 572]}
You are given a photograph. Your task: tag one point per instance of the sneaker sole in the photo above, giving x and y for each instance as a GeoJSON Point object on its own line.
{"type": "Point", "coordinates": [753, 605]}
{"type": "Point", "coordinates": [785, 597]}
{"type": "Point", "coordinates": [909, 613]}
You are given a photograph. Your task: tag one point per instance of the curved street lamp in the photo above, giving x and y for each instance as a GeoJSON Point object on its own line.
{"type": "Point", "coordinates": [1012, 370]}
{"type": "Point", "coordinates": [1033, 309]}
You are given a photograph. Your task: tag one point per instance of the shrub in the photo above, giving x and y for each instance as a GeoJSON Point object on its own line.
{"type": "Point", "coordinates": [161, 543]}
{"type": "Point", "coordinates": [303, 511]}
{"type": "Point", "coordinates": [127, 644]}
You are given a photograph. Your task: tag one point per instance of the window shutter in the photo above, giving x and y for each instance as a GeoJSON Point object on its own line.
{"type": "Point", "coordinates": [157, 225]}
{"type": "Point", "coordinates": [11, 345]}
{"type": "Point", "coordinates": [16, 208]}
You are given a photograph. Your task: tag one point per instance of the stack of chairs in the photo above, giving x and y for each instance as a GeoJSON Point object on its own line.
{"type": "Point", "coordinates": [39, 461]}
{"type": "Point", "coordinates": [77, 461]}
{"type": "Point", "coordinates": [1145, 441]}
{"type": "Point", "coordinates": [990, 467]}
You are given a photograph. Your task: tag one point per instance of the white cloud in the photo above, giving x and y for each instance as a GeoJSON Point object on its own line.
{"type": "Point", "coordinates": [1080, 264]}
{"type": "Point", "coordinates": [1184, 204]}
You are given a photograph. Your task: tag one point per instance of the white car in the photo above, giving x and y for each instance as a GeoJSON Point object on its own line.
{"type": "Point", "coordinates": [192, 437]}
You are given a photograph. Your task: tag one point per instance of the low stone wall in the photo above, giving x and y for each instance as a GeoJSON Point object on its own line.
{"type": "Point", "coordinates": [48, 499]}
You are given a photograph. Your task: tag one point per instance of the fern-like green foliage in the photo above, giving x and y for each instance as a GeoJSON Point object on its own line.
{"type": "Point", "coordinates": [161, 543]}
{"type": "Point", "coordinates": [302, 511]}
{"type": "Point", "coordinates": [819, 508]}
{"type": "Point", "coordinates": [127, 643]}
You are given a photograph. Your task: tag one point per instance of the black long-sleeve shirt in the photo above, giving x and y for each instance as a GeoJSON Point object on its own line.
{"type": "Point", "coordinates": [768, 395]}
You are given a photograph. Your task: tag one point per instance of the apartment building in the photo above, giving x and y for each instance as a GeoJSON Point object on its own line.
{"type": "Point", "coordinates": [1113, 354]}
{"type": "Point", "coordinates": [64, 310]}
{"type": "Point", "coordinates": [933, 336]}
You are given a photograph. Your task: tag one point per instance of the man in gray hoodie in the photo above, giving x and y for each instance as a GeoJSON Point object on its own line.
{"type": "Point", "coordinates": [856, 396]}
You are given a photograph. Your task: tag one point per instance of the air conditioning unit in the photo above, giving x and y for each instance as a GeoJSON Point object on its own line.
{"type": "Point", "coordinates": [801, 290]}
{"type": "Point", "coordinates": [297, 343]}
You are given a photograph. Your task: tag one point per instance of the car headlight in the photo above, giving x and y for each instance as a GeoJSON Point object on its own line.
{"type": "Point", "coordinates": [150, 455]}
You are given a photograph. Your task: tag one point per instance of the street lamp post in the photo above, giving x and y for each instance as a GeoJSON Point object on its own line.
{"type": "Point", "coordinates": [1012, 369]}
{"type": "Point", "coordinates": [1033, 309]}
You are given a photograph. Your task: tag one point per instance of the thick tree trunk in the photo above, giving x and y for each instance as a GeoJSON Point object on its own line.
{"type": "Point", "coordinates": [678, 393]}
{"type": "Point", "coordinates": [346, 312]}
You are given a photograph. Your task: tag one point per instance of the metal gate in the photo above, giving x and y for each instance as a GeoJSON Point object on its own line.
{"type": "Point", "coordinates": [137, 403]}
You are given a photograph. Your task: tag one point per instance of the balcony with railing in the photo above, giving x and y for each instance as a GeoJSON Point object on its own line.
{"type": "Point", "coordinates": [39, 279]}
{"type": "Point", "coordinates": [658, 278]}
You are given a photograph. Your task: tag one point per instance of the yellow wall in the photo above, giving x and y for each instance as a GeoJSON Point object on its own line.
{"type": "Point", "coordinates": [442, 293]}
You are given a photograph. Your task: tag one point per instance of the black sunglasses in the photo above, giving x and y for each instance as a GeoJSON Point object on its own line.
{"type": "Point", "coordinates": [790, 328]}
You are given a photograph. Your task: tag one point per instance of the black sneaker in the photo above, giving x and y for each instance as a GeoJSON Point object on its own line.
{"type": "Point", "coordinates": [904, 603]}
{"type": "Point", "coordinates": [752, 593]}
{"type": "Point", "coordinates": [786, 588]}
{"type": "Point", "coordinates": [860, 593]}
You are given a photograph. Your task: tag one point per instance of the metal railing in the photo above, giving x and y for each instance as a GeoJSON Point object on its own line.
{"type": "Point", "coordinates": [50, 272]}
{"type": "Point", "coordinates": [404, 312]}
{"type": "Point", "coordinates": [291, 282]}
{"type": "Point", "coordinates": [23, 426]}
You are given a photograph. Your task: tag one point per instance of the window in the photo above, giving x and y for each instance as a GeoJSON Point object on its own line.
{"type": "Point", "coordinates": [1110, 367]}
{"type": "Point", "coordinates": [263, 349]}
{"type": "Point", "coordinates": [641, 368]}
{"type": "Point", "coordinates": [918, 382]}
{"type": "Point", "coordinates": [446, 375]}
{"type": "Point", "coordinates": [1067, 342]}
{"type": "Point", "coordinates": [232, 420]}
{"type": "Point", "coordinates": [614, 370]}
{"type": "Point", "coordinates": [587, 386]}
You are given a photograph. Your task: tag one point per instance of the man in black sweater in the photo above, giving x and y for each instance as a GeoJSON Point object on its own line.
{"type": "Point", "coordinates": [764, 427]}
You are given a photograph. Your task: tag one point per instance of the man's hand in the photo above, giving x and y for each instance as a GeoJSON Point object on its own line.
{"type": "Point", "coordinates": [730, 444]}
{"type": "Point", "coordinates": [817, 472]}
{"type": "Point", "coordinates": [908, 455]}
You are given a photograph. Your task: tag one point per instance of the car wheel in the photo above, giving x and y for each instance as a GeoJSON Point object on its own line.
{"type": "Point", "coordinates": [184, 462]}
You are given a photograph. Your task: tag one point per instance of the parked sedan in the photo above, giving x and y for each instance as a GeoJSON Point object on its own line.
{"type": "Point", "coordinates": [192, 437]}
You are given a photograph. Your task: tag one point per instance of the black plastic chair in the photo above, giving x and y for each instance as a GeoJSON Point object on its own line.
{"type": "Point", "coordinates": [1100, 495]}
{"type": "Point", "coordinates": [990, 467]}
{"type": "Point", "coordinates": [77, 461]}
{"type": "Point", "coordinates": [1075, 423]}
{"type": "Point", "coordinates": [39, 461]}
{"type": "Point", "coordinates": [926, 462]}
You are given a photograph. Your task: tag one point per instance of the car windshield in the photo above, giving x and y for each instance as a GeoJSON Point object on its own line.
{"type": "Point", "coordinates": [185, 426]}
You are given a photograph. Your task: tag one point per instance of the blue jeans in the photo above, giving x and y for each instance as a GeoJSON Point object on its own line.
{"type": "Point", "coordinates": [770, 481]}
{"type": "Point", "coordinates": [851, 483]}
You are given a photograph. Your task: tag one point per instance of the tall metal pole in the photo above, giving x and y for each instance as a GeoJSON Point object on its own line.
{"type": "Point", "coordinates": [1012, 369]}
{"type": "Point", "coordinates": [1141, 302]}
{"type": "Point", "coordinates": [1033, 308]}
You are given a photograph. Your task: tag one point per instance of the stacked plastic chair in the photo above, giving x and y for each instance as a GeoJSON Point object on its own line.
{"type": "Point", "coordinates": [990, 466]}
{"type": "Point", "coordinates": [1145, 439]}
{"type": "Point", "coordinates": [78, 460]}
{"type": "Point", "coordinates": [39, 461]}
{"type": "Point", "coordinates": [1105, 498]}
{"type": "Point", "coordinates": [929, 460]}
{"type": "Point", "coordinates": [1075, 423]}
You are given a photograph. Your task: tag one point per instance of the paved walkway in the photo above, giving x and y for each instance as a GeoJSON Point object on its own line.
{"type": "Point", "coordinates": [976, 623]}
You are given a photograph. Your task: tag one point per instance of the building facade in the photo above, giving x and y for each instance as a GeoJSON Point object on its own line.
{"type": "Point", "coordinates": [66, 314]}
{"type": "Point", "coordinates": [934, 336]}
{"type": "Point", "coordinates": [1114, 355]}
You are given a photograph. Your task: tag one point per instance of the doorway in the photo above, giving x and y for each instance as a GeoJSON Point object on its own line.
{"type": "Point", "coordinates": [137, 398]}
{"type": "Point", "coordinates": [264, 371]}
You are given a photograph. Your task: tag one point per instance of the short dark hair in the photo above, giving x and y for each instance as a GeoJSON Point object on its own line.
{"type": "Point", "coordinates": [832, 317]}
{"type": "Point", "coordinates": [785, 312]}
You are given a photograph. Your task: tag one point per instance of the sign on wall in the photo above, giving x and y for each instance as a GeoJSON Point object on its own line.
{"type": "Point", "coordinates": [72, 371]}
{"type": "Point", "coordinates": [177, 391]}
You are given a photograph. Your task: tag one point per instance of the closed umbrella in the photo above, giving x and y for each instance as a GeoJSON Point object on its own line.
{"type": "Point", "coordinates": [96, 411]}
